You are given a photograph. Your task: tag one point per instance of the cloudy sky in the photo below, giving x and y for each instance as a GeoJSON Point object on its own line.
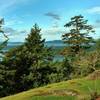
{"type": "Point", "coordinates": [50, 15]}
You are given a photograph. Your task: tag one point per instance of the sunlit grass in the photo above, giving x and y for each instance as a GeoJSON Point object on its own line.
{"type": "Point", "coordinates": [67, 90]}
{"type": "Point", "coordinates": [53, 98]}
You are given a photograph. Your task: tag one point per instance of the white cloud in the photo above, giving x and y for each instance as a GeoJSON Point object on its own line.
{"type": "Point", "coordinates": [94, 10]}
{"type": "Point", "coordinates": [14, 35]}
{"type": "Point", "coordinates": [13, 22]}
{"type": "Point", "coordinates": [97, 24]}
{"type": "Point", "coordinates": [53, 33]}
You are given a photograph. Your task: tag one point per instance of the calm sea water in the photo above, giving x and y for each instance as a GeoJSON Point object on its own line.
{"type": "Point", "coordinates": [48, 44]}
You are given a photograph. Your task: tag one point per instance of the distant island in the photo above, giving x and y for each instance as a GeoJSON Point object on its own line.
{"type": "Point", "coordinates": [54, 43]}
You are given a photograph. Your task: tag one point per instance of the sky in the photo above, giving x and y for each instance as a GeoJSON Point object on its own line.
{"type": "Point", "coordinates": [50, 15]}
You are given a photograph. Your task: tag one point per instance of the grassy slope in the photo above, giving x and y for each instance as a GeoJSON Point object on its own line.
{"type": "Point", "coordinates": [68, 90]}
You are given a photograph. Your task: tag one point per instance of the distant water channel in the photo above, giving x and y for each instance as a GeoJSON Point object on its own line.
{"type": "Point", "coordinates": [48, 44]}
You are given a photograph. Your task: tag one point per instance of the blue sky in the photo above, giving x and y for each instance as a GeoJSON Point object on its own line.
{"type": "Point", "coordinates": [50, 15]}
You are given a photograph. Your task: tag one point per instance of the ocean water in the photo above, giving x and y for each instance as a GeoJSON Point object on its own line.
{"type": "Point", "coordinates": [48, 44]}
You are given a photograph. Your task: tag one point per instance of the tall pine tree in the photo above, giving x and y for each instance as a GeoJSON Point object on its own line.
{"type": "Point", "coordinates": [31, 61]}
{"type": "Point", "coordinates": [78, 35]}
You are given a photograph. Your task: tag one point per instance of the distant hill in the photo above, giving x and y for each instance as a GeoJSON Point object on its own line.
{"type": "Point", "coordinates": [54, 43]}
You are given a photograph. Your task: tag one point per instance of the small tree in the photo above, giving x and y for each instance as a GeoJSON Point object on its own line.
{"type": "Point", "coordinates": [3, 44]}
{"type": "Point", "coordinates": [67, 69]}
{"type": "Point", "coordinates": [3, 70]}
{"type": "Point", "coordinates": [78, 35]}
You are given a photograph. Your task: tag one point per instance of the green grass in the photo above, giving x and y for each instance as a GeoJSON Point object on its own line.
{"type": "Point", "coordinates": [67, 90]}
{"type": "Point", "coordinates": [53, 98]}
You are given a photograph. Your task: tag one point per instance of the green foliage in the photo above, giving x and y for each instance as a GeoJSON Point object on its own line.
{"type": "Point", "coordinates": [3, 70]}
{"type": "Point", "coordinates": [98, 45]}
{"type": "Point", "coordinates": [53, 98]}
{"type": "Point", "coordinates": [30, 62]}
{"type": "Point", "coordinates": [67, 69]}
{"type": "Point", "coordinates": [3, 44]}
{"type": "Point", "coordinates": [76, 89]}
{"type": "Point", "coordinates": [86, 63]}
{"type": "Point", "coordinates": [82, 61]}
{"type": "Point", "coordinates": [77, 37]}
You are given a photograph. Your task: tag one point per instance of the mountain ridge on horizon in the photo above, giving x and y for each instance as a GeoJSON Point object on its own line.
{"type": "Point", "coordinates": [53, 43]}
{"type": "Point", "coordinates": [45, 41]}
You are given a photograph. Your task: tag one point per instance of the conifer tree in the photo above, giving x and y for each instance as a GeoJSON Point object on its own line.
{"type": "Point", "coordinates": [3, 69]}
{"type": "Point", "coordinates": [31, 61]}
{"type": "Point", "coordinates": [78, 35]}
{"type": "Point", "coordinates": [4, 43]}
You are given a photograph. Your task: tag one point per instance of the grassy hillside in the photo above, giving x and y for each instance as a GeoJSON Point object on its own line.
{"type": "Point", "coordinates": [77, 89]}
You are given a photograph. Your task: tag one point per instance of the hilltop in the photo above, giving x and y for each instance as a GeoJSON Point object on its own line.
{"type": "Point", "coordinates": [76, 89]}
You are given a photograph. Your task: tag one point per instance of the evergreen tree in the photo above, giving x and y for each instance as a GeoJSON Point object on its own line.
{"type": "Point", "coordinates": [67, 69]}
{"type": "Point", "coordinates": [3, 70]}
{"type": "Point", "coordinates": [31, 61]}
{"type": "Point", "coordinates": [78, 35]}
{"type": "Point", "coordinates": [4, 43]}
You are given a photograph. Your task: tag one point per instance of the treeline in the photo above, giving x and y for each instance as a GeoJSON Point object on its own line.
{"type": "Point", "coordinates": [31, 64]}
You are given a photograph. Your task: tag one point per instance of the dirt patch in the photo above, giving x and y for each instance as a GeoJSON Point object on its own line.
{"type": "Point", "coordinates": [61, 92]}
{"type": "Point", "coordinates": [95, 75]}
{"type": "Point", "coordinates": [98, 98]}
